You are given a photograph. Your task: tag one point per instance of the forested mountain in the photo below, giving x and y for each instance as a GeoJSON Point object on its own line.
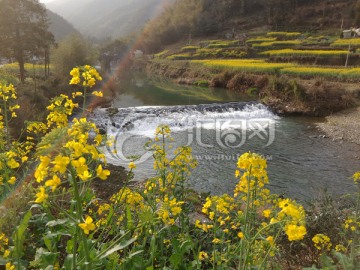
{"type": "Point", "coordinates": [116, 18]}
{"type": "Point", "coordinates": [207, 17]}
{"type": "Point", "coordinates": [108, 18]}
{"type": "Point", "coordinates": [59, 26]}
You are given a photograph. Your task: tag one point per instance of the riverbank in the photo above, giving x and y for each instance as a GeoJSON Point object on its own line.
{"type": "Point", "coordinates": [343, 126]}
{"type": "Point", "coordinates": [285, 95]}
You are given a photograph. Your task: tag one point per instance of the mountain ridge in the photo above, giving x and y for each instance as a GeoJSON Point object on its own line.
{"type": "Point", "coordinates": [60, 27]}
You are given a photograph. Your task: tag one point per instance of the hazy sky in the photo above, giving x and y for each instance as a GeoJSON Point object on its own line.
{"type": "Point", "coordinates": [46, 1]}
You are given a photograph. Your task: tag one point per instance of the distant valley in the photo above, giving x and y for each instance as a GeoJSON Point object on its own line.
{"type": "Point", "coordinates": [107, 18]}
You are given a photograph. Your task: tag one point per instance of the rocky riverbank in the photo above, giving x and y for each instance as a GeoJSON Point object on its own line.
{"type": "Point", "coordinates": [344, 125]}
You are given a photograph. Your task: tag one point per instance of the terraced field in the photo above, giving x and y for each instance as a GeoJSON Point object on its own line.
{"type": "Point", "coordinates": [276, 52]}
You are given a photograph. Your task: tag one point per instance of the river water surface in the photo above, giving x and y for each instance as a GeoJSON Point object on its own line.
{"type": "Point", "coordinates": [220, 125]}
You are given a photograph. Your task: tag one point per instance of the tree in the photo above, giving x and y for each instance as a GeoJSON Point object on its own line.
{"type": "Point", "coordinates": [24, 31]}
{"type": "Point", "coordinates": [357, 12]}
{"type": "Point", "coordinates": [71, 52]}
{"type": "Point", "coordinates": [113, 50]}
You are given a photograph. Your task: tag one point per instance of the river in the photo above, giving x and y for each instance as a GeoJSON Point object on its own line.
{"type": "Point", "coordinates": [220, 125]}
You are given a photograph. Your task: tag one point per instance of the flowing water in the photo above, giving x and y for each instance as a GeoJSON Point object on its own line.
{"type": "Point", "coordinates": [301, 162]}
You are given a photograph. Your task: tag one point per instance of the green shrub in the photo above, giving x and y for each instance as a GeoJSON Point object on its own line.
{"type": "Point", "coordinates": [189, 48]}
{"type": "Point", "coordinates": [184, 56]}
{"type": "Point", "coordinates": [161, 54]}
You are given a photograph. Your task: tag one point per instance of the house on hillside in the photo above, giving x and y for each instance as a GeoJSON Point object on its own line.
{"type": "Point", "coordinates": [138, 54]}
{"type": "Point", "coordinates": [353, 32]}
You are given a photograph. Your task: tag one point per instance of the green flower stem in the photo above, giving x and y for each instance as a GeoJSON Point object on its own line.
{"type": "Point", "coordinates": [116, 204]}
{"type": "Point", "coordinates": [6, 124]}
{"type": "Point", "coordinates": [246, 230]}
{"type": "Point", "coordinates": [214, 234]}
{"type": "Point", "coordinates": [163, 173]}
{"type": "Point", "coordinates": [269, 250]}
{"type": "Point", "coordinates": [75, 248]}
{"type": "Point", "coordinates": [84, 102]}
{"type": "Point", "coordinates": [79, 213]}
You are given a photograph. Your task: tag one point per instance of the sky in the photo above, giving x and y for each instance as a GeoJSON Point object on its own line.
{"type": "Point", "coordinates": [46, 1]}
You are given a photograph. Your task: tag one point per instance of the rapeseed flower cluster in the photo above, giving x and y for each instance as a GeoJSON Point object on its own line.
{"type": "Point", "coordinates": [160, 199]}
{"type": "Point", "coordinates": [74, 155]}
{"type": "Point", "coordinates": [85, 75]}
{"type": "Point", "coordinates": [352, 224]}
{"type": "Point", "coordinates": [7, 92]}
{"type": "Point", "coordinates": [169, 210]}
{"type": "Point", "coordinates": [251, 220]}
{"type": "Point", "coordinates": [7, 110]}
{"type": "Point", "coordinates": [322, 242]}
{"type": "Point", "coordinates": [294, 217]}
{"type": "Point", "coordinates": [356, 177]}
{"type": "Point", "coordinates": [14, 154]}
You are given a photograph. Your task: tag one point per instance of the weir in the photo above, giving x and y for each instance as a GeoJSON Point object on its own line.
{"type": "Point", "coordinates": [145, 119]}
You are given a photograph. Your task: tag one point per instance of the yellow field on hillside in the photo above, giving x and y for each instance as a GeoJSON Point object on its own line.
{"type": "Point", "coordinates": [260, 66]}
{"type": "Point", "coordinates": [292, 52]}
{"type": "Point", "coordinates": [247, 65]}
{"type": "Point", "coordinates": [346, 42]}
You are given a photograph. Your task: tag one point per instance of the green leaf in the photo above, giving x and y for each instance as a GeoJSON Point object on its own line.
{"type": "Point", "coordinates": [118, 247]}
{"type": "Point", "coordinates": [68, 262]}
{"type": "Point", "coordinates": [175, 260]}
{"type": "Point", "coordinates": [130, 222]}
{"type": "Point", "coordinates": [186, 246]}
{"type": "Point", "coordinates": [135, 253]}
{"type": "Point", "coordinates": [327, 262]}
{"type": "Point", "coordinates": [56, 222]}
{"type": "Point", "coordinates": [19, 235]}
{"type": "Point", "coordinates": [45, 257]}
{"type": "Point", "coordinates": [343, 260]}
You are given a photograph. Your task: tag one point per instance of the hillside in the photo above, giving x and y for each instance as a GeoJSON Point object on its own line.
{"type": "Point", "coordinates": [107, 18]}
{"type": "Point", "coordinates": [219, 18]}
{"type": "Point", "coordinates": [59, 26]}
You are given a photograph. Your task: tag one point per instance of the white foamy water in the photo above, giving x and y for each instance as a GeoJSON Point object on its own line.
{"type": "Point", "coordinates": [144, 120]}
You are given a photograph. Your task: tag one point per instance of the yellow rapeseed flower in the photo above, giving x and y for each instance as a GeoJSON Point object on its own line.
{"type": "Point", "coordinates": [322, 242]}
{"type": "Point", "coordinates": [6, 253]}
{"type": "Point", "coordinates": [41, 196]}
{"type": "Point", "coordinates": [240, 235]}
{"type": "Point", "coordinates": [53, 183]}
{"type": "Point", "coordinates": [203, 255]}
{"type": "Point", "coordinates": [9, 266]}
{"type": "Point", "coordinates": [12, 180]}
{"type": "Point", "coordinates": [216, 241]}
{"type": "Point", "coordinates": [270, 239]}
{"type": "Point", "coordinates": [88, 225]}
{"type": "Point", "coordinates": [60, 163]}
{"type": "Point", "coordinates": [356, 177]}
{"type": "Point", "coordinates": [295, 232]}
{"type": "Point", "coordinates": [102, 174]}
{"type": "Point", "coordinates": [13, 164]}
{"type": "Point", "coordinates": [266, 213]}
{"type": "Point", "coordinates": [132, 165]}
{"type": "Point", "coordinates": [97, 93]}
